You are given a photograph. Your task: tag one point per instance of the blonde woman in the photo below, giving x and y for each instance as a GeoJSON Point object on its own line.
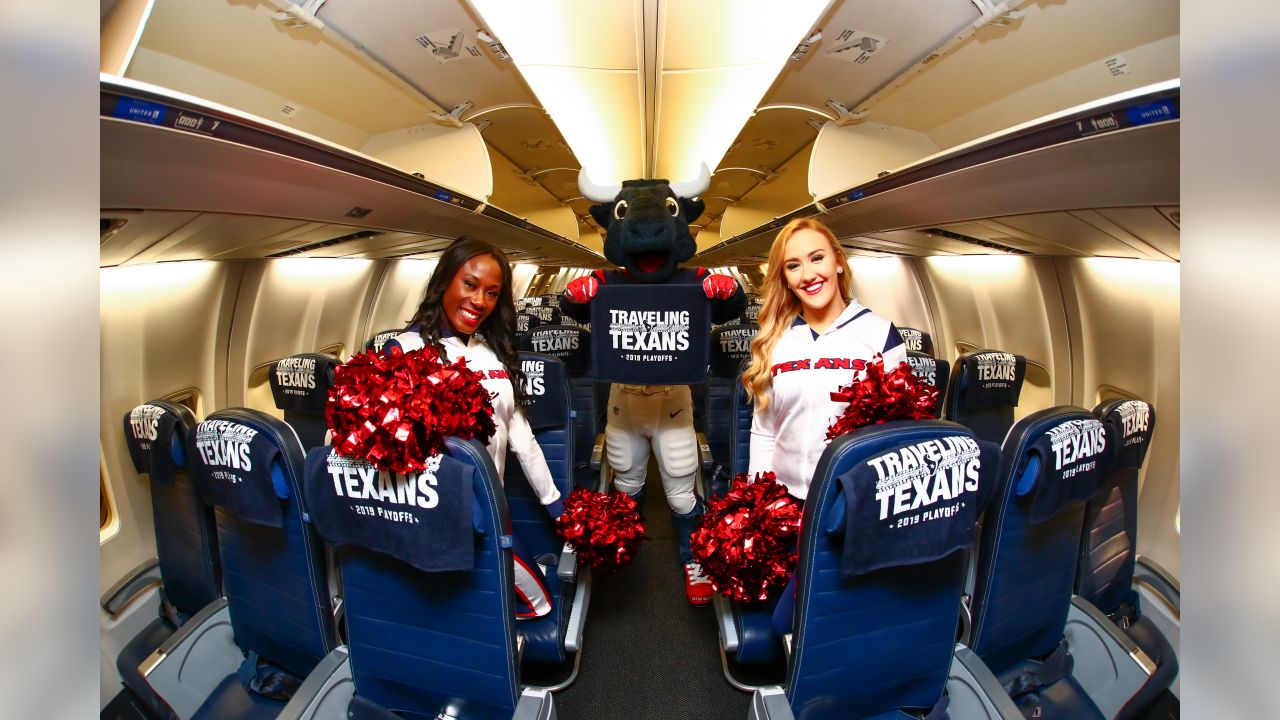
{"type": "Point", "coordinates": [813, 337]}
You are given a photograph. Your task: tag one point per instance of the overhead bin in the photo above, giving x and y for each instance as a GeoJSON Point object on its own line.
{"type": "Point", "coordinates": [163, 150]}
{"type": "Point", "coordinates": [1120, 151]}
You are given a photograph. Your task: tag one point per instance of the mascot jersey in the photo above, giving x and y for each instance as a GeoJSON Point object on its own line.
{"type": "Point", "coordinates": [512, 428]}
{"type": "Point", "coordinates": [789, 435]}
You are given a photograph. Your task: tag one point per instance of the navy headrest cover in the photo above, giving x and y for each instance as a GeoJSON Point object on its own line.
{"type": "Point", "coordinates": [302, 382]}
{"type": "Point", "coordinates": [548, 392]}
{"type": "Point", "coordinates": [571, 344]}
{"type": "Point", "coordinates": [915, 503]}
{"type": "Point", "coordinates": [423, 519]}
{"type": "Point", "coordinates": [143, 425]}
{"type": "Point", "coordinates": [992, 378]}
{"type": "Point", "coordinates": [238, 469]}
{"type": "Point", "coordinates": [1063, 466]}
{"type": "Point", "coordinates": [916, 340]}
{"type": "Point", "coordinates": [730, 345]}
{"type": "Point", "coordinates": [1129, 427]}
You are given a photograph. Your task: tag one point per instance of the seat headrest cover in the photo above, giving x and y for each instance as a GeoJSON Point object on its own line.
{"type": "Point", "coordinates": [752, 312]}
{"type": "Point", "coordinates": [423, 519]}
{"type": "Point", "coordinates": [992, 378]}
{"type": "Point", "coordinates": [916, 502]}
{"type": "Point", "coordinates": [545, 314]}
{"type": "Point", "coordinates": [730, 345]}
{"type": "Point", "coordinates": [572, 345]}
{"type": "Point", "coordinates": [233, 467]}
{"type": "Point", "coordinates": [916, 340]}
{"type": "Point", "coordinates": [142, 425]}
{"type": "Point", "coordinates": [1129, 428]}
{"type": "Point", "coordinates": [378, 340]}
{"type": "Point", "coordinates": [525, 322]}
{"type": "Point", "coordinates": [302, 382]}
{"type": "Point", "coordinates": [548, 391]}
{"type": "Point", "coordinates": [1070, 457]}
{"type": "Point", "coordinates": [926, 368]}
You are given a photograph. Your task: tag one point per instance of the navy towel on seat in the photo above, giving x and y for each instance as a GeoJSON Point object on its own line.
{"type": "Point", "coordinates": [916, 340]}
{"type": "Point", "coordinates": [423, 519]}
{"type": "Point", "coordinates": [1065, 465]}
{"type": "Point", "coordinates": [232, 464]}
{"type": "Point", "coordinates": [1129, 427]}
{"type": "Point", "coordinates": [302, 382]}
{"type": "Point", "coordinates": [730, 347]}
{"type": "Point", "coordinates": [915, 503]}
{"type": "Point", "coordinates": [548, 391]}
{"type": "Point", "coordinates": [993, 378]}
{"type": "Point", "coordinates": [572, 345]}
{"type": "Point", "coordinates": [142, 425]}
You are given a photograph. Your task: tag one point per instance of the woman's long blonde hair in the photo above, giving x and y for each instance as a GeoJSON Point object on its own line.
{"type": "Point", "coordinates": [781, 306]}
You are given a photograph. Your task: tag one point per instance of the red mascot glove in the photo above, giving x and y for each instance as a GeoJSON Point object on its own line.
{"type": "Point", "coordinates": [719, 287]}
{"type": "Point", "coordinates": [580, 291]}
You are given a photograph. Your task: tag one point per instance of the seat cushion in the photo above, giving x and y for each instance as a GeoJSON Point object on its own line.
{"type": "Point", "coordinates": [230, 700]}
{"type": "Point", "coordinates": [1062, 699]}
{"type": "Point", "coordinates": [133, 654]}
{"type": "Point", "coordinates": [544, 637]}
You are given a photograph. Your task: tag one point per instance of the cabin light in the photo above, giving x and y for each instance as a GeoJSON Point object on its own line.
{"type": "Point", "coordinates": [152, 277]}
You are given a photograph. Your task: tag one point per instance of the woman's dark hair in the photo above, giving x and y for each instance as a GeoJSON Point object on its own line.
{"type": "Point", "coordinates": [499, 329]}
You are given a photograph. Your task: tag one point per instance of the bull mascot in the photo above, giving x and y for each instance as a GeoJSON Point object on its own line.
{"type": "Point", "coordinates": [647, 237]}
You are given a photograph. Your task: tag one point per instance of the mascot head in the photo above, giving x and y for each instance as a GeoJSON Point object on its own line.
{"type": "Point", "coordinates": [647, 222]}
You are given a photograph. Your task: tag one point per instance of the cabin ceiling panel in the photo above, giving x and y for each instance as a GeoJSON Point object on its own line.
{"type": "Point", "coordinates": [241, 40]}
{"type": "Point", "coordinates": [140, 231]}
{"type": "Point", "coordinates": [1067, 231]}
{"type": "Point", "coordinates": [222, 237]}
{"type": "Point", "coordinates": [1151, 225]}
{"type": "Point", "coordinates": [770, 139]}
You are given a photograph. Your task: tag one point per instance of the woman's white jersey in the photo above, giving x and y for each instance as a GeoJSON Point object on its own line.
{"type": "Point", "coordinates": [512, 427]}
{"type": "Point", "coordinates": [789, 435]}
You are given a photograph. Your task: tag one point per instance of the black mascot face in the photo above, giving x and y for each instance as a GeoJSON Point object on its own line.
{"type": "Point", "coordinates": [647, 226]}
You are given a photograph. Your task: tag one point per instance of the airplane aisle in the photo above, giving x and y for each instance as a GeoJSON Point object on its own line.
{"type": "Point", "coordinates": [648, 653]}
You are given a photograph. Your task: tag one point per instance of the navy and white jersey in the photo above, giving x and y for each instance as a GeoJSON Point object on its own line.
{"type": "Point", "coordinates": [512, 427]}
{"type": "Point", "coordinates": [789, 435]}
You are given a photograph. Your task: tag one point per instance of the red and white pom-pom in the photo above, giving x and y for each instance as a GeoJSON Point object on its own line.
{"type": "Point", "coordinates": [604, 529]}
{"type": "Point", "coordinates": [746, 543]}
{"type": "Point", "coordinates": [880, 397]}
{"type": "Point", "coordinates": [396, 410]}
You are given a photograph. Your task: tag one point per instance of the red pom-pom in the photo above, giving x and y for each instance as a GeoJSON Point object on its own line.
{"type": "Point", "coordinates": [746, 540]}
{"type": "Point", "coordinates": [604, 529]}
{"type": "Point", "coordinates": [396, 410]}
{"type": "Point", "coordinates": [880, 397]}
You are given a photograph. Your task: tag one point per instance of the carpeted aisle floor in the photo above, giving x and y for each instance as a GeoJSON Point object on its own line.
{"type": "Point", "coordinates": [648, 653]}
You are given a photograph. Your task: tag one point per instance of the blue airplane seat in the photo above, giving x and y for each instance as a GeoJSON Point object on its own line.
{"type": "Point", "coordinates": [889, 516]}
{"type": "Point", "coordinates": [430, 597]}
{"type": "Point", "coordinates": [1057, 655]}
{"type": "Point", "coordinates": [985, 391]}
{"type": "Point", "coordinates": [730, 348]}
{"type": "Point", "coordinates": [380, 338]}
{"type": "Point", "coordinates": [186, 562]}
{"type": "Point", "coordinates": [1108, 551]}
{"type": "Point", "coordinates": [934, 371]}
{"type": "Point", "coordinates": [274, 623]}
{"type": "Point", "coordinates": [572, 345]}
{"type": "Point", "coordinates": [300, 387]}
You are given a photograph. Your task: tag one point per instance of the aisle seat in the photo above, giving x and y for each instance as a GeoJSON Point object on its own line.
{"type": "Point", "coordinates": [300, 387]}
{"type": "Point", "coordinates": [730, 349]}
{"type": "Point", "coordinates": [572, 345]}
{"type": "Point", "coordinates": [916, 340]}
{"type": "Point", "coordinates": [984, 392]}
{"type": "Point", "coordinates": [933, 371]}
{"type": "Point", "coordinates": [380, 338]}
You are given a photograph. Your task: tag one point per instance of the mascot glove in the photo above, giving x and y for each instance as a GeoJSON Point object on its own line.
{"type": "Point", "coordinates": [580, 291]}
{"type": "Point", "coordinates": [719, 287]}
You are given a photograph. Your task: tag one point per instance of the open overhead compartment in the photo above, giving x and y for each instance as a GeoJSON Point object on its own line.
{"type": "Point", "coordinates": [171, 152]}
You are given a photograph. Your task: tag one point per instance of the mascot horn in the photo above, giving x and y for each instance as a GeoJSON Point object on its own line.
{"type": "Point", "coordinates": [647, 236]}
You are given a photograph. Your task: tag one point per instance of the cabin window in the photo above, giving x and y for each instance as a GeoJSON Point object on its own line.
{"type": "Point", "coordinates": [108, 515]}
{"type": "Point", "coordinates": [335, 351]}
{"type": "Point", "coordinates": [1109, 392]}
{"type": "Point", "coordinates": [258, 394]}
{"type": "Point", "coordinates": [188, 398]}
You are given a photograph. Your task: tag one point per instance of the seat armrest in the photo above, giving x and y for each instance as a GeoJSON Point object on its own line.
{"type": "Point", "coordinates": [186, 668]}
{"type": "Point", "coordinates": [966, 620]}
{"type": "Point", "coordinates": [534, 704]}
{"type": "Point", "coordinates": [974, 690]}
{"type": "Point", "coordinates": [139, 579]}
{"type": "Point", "coordinates": [705, 460]}
{"type": "Point", "coordinates": [788, 641]}
{"type": "Point", "coordinates": [578, 613]}
{"type": "Point", "coordinates": [1108, 666]}
{"type": "Point", "coordinates": [1149, 572]}
{"type": "Point", "coordinates": [567, 568]}
{"type": "Point", "coordinates": [597, 452]}
{"type": "Point", "coordinates": [325, 692]}
{"type": "Point", "coordinates": [770, 703]}
{"type": "Point", "coordinates": [724, 620]}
